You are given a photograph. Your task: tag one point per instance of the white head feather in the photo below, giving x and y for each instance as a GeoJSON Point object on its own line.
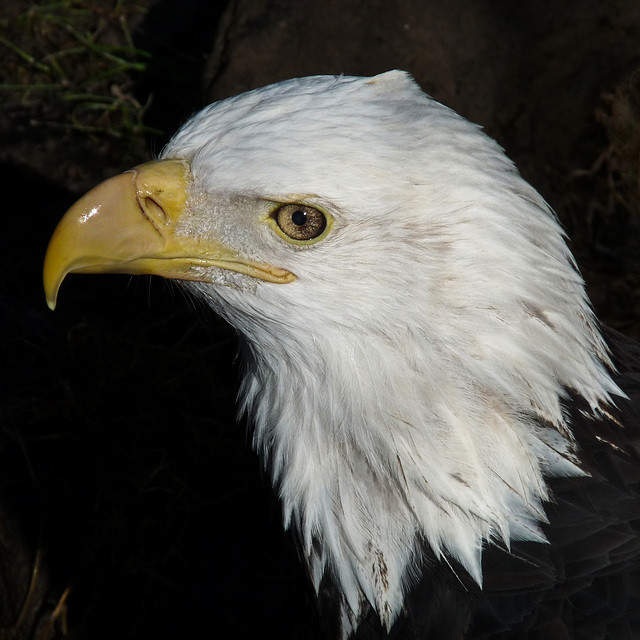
{"type": "Point", "coordinates": [408, 386]}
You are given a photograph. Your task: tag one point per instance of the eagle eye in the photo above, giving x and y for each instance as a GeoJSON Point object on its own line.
{"type": "Point", "coordinates": [300, 222]}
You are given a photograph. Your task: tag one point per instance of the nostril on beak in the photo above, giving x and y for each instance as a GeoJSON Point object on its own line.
{"type": "Point", "coordinates": [154, 210]}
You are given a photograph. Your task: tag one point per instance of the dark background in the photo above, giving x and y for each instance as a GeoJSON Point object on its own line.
{"type": "Point", "coordinates": [131, 503]}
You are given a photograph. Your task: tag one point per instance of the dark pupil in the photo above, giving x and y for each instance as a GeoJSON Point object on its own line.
{"type": "Point", "coordinates": [298, 217]}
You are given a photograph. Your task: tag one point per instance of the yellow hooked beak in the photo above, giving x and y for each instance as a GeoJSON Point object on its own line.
{"type": "Point", "coordinates": [128, 224]}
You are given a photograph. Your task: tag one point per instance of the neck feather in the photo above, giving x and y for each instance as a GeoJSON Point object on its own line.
{"type": "Point", "coordinates": [374, 456]}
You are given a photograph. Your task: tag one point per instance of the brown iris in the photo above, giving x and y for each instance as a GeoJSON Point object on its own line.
{"type": "Point", "coordinates": [300, 222]}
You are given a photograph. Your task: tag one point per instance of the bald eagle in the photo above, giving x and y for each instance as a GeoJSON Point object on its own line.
{"type": "Point", "coordinates": [451, 433]}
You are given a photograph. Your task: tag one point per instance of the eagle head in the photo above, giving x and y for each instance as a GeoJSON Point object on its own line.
{"type": "Point", "coordinates": [412, 322]}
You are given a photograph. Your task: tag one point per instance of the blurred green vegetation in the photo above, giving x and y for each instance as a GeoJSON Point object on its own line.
{"type": "Point", "coordinates": [73, 65]}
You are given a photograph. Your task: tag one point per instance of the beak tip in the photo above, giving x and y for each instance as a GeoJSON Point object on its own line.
{"type": "Point", "coordinates": [51, 283]}
{"type": "Point", "coordinates": [51, 296]}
